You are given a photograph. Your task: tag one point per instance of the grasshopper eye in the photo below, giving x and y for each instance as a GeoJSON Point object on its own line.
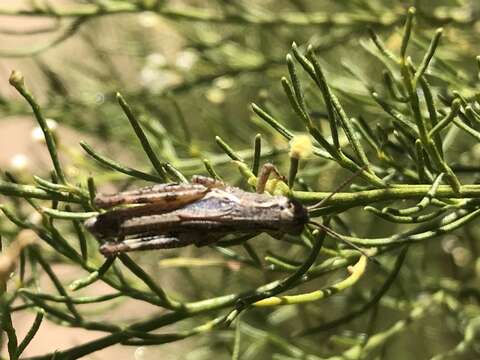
{"type": "Point", "coordinates": [287, 206]}
{"type": "Point", "coordinates": [287, 209]}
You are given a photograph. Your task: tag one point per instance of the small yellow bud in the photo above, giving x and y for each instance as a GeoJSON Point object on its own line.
{"type": "Point", "coordinates": [16, 79]}
{"type": "Point", "coordinates": [301, 146]}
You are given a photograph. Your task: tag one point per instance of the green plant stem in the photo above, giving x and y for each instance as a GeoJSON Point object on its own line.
{"type": "Point", "coordinates": [68, 215]}
{"type": "Point", "coordinates": [159, 167]}
{"type": "Point", "coordinates": [7, 326]}
{"type": "Point", "coordinates": [82, 240]}
{"type": "Point", "coordinates": [236, 343]}
{"type": "Point", "coordinates": [111, 164]}
{"type": "Point", "coordinates": [93, 276]}
{"type": "Point", "coordinates": [58, 285]}
{"type": "Point", "coordinates": [428, 56]}
{"type": "Point", "coordinates": [275, 288]}
{"type": "Point", "coordinates": [63, 299]}
{"type": "Point", "coordinates": [395, 192]}
{"type": "Point", "coordinates": [378, 340]}
{"type": "Point", "coordinates": [29, 191]}
{"type": "Point", "coordinates": [31, 332]}
{"type": "Point", "coordinates": [412, 219]}
{"type": "Point", "coordinates": [345, 121]}
{"type": "Point", "coordinates": [16, 80]}
{"type": "Point", "coordinates": [257, 153]}
{"type": "Point", "coordinates": [189, 310]}
{"type": "Point", "coordinates": [228, 149]}
{"type": "Point", "coordinates": [138, 271]}
{"type": "Point", "coordinates": [356, 273]}
{"type": "Point", "coordinates": [447, 224]}
{"type": "Point", "coordinates": [368, 305]}
{"type": "Point", "coordinates": [422, 204]}
{"type": "Point", "coordinates": [141, 326]}
{"type": "Point", "coordinates": [407, 32]}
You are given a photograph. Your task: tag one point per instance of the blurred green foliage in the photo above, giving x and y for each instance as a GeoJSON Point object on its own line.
{"type": "Point", "coordinates": [377, 87]}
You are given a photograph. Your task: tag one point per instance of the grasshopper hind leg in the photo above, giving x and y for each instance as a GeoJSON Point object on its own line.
{"type": "Point", "coordinates": [155, 242]}
{"type": "Point", "coordinates": [112, 248]}
{"type": "Point", "coordinates": [207, 182]}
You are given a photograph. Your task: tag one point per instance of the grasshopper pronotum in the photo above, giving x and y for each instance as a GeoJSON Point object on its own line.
{"type": "Point", "coordinates": [202, 212]}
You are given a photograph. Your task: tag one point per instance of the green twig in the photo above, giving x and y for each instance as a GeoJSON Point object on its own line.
{"type": "Point", "coordinates": [159, 167]}
{"type": "Point", "coordinates": [17, 81]}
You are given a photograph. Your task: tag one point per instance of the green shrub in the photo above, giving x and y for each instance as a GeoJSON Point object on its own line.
{"type": "Point", "coordinates": [373, 88]}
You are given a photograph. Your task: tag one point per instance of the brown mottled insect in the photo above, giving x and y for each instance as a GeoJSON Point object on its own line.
{"type": "Point", "coordinates": [202, 212]}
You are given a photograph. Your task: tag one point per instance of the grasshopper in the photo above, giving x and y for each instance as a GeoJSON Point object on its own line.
{"type": "Point", "coordinates": [202, 212]}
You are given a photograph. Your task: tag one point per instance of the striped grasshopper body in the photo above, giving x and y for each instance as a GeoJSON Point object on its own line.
{"type": "Point", "coordinates": [200, 213]}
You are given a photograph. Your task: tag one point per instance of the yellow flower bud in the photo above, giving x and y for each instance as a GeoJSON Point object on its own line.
{"type": "Point", "coordinates": [16, 79]}
{"type": "Point", "coordinates": [301, 146]}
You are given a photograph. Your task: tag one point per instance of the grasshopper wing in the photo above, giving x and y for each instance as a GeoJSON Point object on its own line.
{"type": "Point", "coordinates": [169, 196]}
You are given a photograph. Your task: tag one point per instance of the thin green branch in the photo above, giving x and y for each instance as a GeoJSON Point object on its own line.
{"type": "Point", "coordinates": [159, 167]}
{"type": "Point", "coordinates": [454, 109]}
{"type": "Point", "coordinates": [31, 332]}
{"type": "Point", "coordinates": [407, 32]}
{"type": "Point", "coordinates": [7, 326]}
{"type": "Point", "coordinates": [29, 191]}
{"type": "Point", "coordinates": [58, 285]}
{"type": "Point", "coordinates": [74, 300]}
{"type": "Point", "coordinates": [257, 153]}
{"type": "Point", "coordinates": [284, 284]}
{"type": "Point", "coordinates": [395, 192]}
{"type": "Point", "coordinates": [111, 164]}
{"type": "Point", "coordinates": [367, 306]}
{"type": "Point", "coordinates": [356, 272]}
{"type": "Point", "coordinates": [446, 225]}
{"type": "Point", "coordinates": [142, 275]}
{"type": "Point", "coordinates": [428, 56]}
{"type": "Point", "coordinates": [17, 81]}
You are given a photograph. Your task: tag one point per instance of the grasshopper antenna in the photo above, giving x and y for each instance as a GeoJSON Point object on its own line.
{"type": "Point", "coordinates": [349, 243]}
{"type": "Point", "coordinates": [340, 187]}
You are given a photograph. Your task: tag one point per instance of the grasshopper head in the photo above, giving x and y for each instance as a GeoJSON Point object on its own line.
{"type": "Point", "coordinates": [295, 216]}
{"type": "Point", "coordinates": [101, 227]}
{"type": "Point", "coordinates": [91, 226]}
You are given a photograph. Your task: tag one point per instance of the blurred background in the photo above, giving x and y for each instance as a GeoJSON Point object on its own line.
{"type": "Point", "coordinates": [190, 78]}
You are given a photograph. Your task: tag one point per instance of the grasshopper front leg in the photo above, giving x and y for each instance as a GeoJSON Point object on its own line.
{"type": "Point", "coordinates": [265, 172]}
